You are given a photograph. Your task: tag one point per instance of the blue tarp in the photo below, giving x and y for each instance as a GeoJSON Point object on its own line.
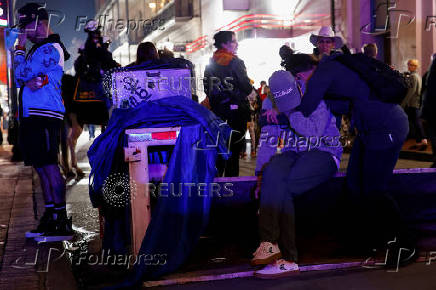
{"type": "Point", "coordinates": [178, 219]}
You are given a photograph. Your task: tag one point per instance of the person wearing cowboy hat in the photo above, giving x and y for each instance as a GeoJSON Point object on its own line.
{"type": "Point", "coordinates": [325, 41]}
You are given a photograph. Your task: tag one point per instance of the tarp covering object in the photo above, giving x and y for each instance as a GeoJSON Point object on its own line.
{"type": "Point", "coordinates": [178, 219]}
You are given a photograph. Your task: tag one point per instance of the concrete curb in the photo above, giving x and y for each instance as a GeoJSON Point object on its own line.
{"type": "Point", "coordinates": [244, 274]}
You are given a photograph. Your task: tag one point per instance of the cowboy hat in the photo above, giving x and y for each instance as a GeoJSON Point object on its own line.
{"type": "Point", "coordinates": [326, 31]}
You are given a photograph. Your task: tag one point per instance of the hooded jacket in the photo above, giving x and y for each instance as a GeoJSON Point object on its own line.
{"type": "Point", "coordinates": [227, 85]}
{"type": "Point", "coordinates": [45, 60]}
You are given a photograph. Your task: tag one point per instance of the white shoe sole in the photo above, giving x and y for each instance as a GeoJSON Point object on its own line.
{"type": "Point", "coordinates": [276, 275]}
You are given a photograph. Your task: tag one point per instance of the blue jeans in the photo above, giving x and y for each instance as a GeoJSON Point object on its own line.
{"type": "Point", "coordinates": [285, 177]}
{"type": "Point", "coordinates": [91, 129]}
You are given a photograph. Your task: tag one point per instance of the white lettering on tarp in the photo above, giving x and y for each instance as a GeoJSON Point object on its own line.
{"type": "Point", "coordinates": [130, 88]}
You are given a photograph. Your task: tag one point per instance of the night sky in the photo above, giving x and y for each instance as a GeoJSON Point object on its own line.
{"type": "Point", "coordinates": [71, 38]}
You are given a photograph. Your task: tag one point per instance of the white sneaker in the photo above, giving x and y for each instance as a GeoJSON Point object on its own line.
{"type": "Point", "coordinates": [265, 254]}
{"type": "Point", "coordinates": [278, 269]}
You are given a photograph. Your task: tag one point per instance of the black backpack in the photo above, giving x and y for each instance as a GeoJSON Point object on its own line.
{"type": "Point", "coordinates": [387, 84]}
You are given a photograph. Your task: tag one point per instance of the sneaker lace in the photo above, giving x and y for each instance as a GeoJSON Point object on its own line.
{"type": "Point", "coordinates": [263, 248]}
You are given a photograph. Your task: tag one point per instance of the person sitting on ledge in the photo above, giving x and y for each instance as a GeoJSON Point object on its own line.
{"type": "Point", "coordinates": [311, 156]}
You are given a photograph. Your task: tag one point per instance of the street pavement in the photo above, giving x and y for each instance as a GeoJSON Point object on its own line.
{"type": "Point", "coordinates": [419, 276]}
{"type": "Point", "coordinates": [27, 265]}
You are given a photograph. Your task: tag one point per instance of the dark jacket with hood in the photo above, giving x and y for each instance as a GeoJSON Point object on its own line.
{"type": "Point", "coordinates": [227, 85]}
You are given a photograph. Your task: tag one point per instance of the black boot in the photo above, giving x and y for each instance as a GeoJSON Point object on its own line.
{"type": "Point", "coordinates": [63, 229]}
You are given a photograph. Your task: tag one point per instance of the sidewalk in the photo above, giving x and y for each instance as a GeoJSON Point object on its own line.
{"type": "Point", "coordinates": [25, 264]}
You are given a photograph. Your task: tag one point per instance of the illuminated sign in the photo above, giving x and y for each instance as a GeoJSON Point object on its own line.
{"type": "Point", "coordinates": [3, 13]}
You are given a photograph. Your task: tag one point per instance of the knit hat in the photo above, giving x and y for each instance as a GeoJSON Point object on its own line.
{"type": "Point", "coordinates": [284, 90]}
{"type": "Point", "coordinates": [31, 12]}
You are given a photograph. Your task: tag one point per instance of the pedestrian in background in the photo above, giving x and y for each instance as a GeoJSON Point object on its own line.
{"type": "Point", "coordinates": [370, 50]}
{"type": "Point", "coordinates": [261, 91]}
{"type": "Point", "coordinates": [146, 51]}
{"type": "Point", "coordinates": [412, 105]}
{"type": "Point", "coordinates": [325, 42]}
{"type": "Point", "coordinates": [227, 87]}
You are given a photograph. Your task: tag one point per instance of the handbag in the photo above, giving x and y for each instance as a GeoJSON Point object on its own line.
{"type": "Point", "coordinates": [89, 103]}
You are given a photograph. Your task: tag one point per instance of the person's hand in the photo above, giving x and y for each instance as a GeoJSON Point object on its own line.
{"type": "Point", "coordinates": [34, 84]}
{"type": "Point", "coordinates": [271, 116]}
{"type": "Point", "coordinates": [205, 103]}
{"type": "Point", "coordinates": [257, 192]}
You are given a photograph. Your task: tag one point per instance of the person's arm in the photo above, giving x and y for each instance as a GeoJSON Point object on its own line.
{"type": "Point", "coordinates": [242, 80]}
{"type": "Point", "coordinates": [43, 60]}
{"type": "Point", "coordinates": [206, 81]}
{"type": "Point", "coordinates": [313, 125]}
{"type": "Point", "coordinates": [316, 88]}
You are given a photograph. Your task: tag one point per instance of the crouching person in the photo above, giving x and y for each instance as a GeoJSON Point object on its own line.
{"type": "Point", "coordinates": [311, 156]}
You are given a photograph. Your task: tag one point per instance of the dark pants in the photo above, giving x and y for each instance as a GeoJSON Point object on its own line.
{"type": "Point", "coordinates": [431, 128]}
{"type": "Point", "coordinates": [230, 167]}
{"type": "Point", "coordinates": [377, 214]}
{"type": "Point", "coordinates": [415, 124]}
{"type": "Point", "coordinates": [285, 177]}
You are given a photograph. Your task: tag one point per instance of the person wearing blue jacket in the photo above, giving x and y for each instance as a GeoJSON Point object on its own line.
{"type": "Point", "coordinates": [38, 73]}
{"type": "Point", "coordinates": [382, 129]}
{"type": "Point", "coordinates": [311, 156]}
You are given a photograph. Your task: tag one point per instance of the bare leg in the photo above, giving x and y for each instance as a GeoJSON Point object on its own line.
{"type": "Point", "coordinates": [252, 138]}
{"type": "Point", "coordinates": [76, 131]}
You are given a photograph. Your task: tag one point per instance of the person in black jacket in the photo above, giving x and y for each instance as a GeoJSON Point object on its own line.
{"type": "Point", "coordinates": [227, 86]}
{"type": "Point", "coordinates": [429, 105]}
{"type": "Point", "coordinates": [382, 129]}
